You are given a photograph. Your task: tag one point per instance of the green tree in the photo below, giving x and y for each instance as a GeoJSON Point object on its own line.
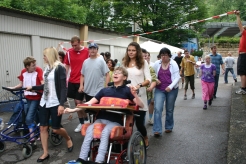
{"type": "Point", "coordinates": [163, 14]}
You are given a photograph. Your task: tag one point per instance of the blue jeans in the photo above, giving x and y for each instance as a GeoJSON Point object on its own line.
{"type": "Point", "coordinates": [226, 74]}
{"type": "Point", "coordinates": [169, 98]}
{"type": "Point", "coordinates": [216, 81]}
{"type": "Point", "coordinates": [32, 107]}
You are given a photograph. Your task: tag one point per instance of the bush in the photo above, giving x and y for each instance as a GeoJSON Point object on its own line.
{"type": "Point", "coordinates": [197, 53]}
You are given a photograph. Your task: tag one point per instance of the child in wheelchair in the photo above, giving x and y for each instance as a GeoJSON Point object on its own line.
{"type": "Point", "coordinates": [118, 90]}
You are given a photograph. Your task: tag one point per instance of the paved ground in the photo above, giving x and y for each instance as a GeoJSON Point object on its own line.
{"type": "Point", "coordinates": [199, 136]}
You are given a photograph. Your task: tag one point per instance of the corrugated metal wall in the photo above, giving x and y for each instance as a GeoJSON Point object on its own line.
{"type": "Point", "coordinates": [48, 42]}
{"type": "Point", "coordinates": [119, 53]}
{"type": "Point", "coordinates": [103, 48]}
{"type": "Point", "coordinates": [37, 28]}
{"type": "Point", "coordinates": [14, 48]}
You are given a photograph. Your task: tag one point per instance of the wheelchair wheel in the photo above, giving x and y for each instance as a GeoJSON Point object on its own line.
{"type": "Point", "coordinates": [55, 139]}
{"type": "Point", "coordinates": [2, 146]}
{"type": "Point", "coordinates": [136, 151]}
{"type": "Point", "coordinates": [27, 151]}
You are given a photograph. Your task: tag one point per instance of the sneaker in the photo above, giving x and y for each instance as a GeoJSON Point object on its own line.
{"type": "Point", "coordinates": [235, 80]}
{"type": "Point", "coordinates": [1, 124]}
{"type": "Point", "coordinates": [193, 96]}
{"type": "Point", "coordinates": [205, 107]}
{"type": "Point", "coordinates": [185, 97]}
{"type": "Point", "coordinates": [150, 122]}
{"type": "Point", "coordinates": [241, 92]}
{"type": "Point", "coordinates": [210, 102]}
{"type": "Point", "coordinates": [78, 128]}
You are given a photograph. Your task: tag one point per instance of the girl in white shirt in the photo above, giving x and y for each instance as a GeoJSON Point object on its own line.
{"type": "Point", "coordinates": [139, 74]}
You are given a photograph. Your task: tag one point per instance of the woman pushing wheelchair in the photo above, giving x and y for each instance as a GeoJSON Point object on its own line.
{"type": "Point", "coordinates": [118, 90]}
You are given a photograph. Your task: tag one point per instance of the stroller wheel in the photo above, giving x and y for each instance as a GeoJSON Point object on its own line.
{"type": "Point", "coordinates": [27, 151]}
{"type": "Point", "coordinates": [2, 146]}
{"type": "Point", "coordinates": [55, 139]}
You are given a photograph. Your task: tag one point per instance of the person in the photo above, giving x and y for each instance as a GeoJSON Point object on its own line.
{"type": "Point", "coordinates": [118, 90]}
{"type": "Point", "coordinates": [139, 74]}
{"type": "Point", "coordinates": [167, 72]}
{"type": "Point", "coordinates": [241, 67]}
{"type": "Point", "coordinates": [52, 101]}
{"type": "Point", "coordinates": [31, 75]}
{"type": "Point", "coordinates": [216, 59]}
{"type": "Point", "coordinates": [111, 65]}
{"type": "Point", "coordinates": [62, 55]}
{"type": "Point", "coordinates": [74, 60]}
{"type": "Point", "coordinates": [187, 67]}
{"type": "Point", "coordinates": [92, 74]}
{"type": "Point", "coordinates": [229, 61]}
{"type": "Point", "coordinates": [178, 60]}
{"type": "Point", "coordinates": [107, 55]}
{"type": "Point", "coordinates": [198, 64]}
{"type": "Point", "coordinates": [150, 88]}
{"type": "Point", "coordinates": [147, 57]}
{"type": "Point", "coordinates": [102, 54]}
{"type": "Point", "coordinates": [208, 72]}
{"type": "Point", "coordinates": [117, 63]}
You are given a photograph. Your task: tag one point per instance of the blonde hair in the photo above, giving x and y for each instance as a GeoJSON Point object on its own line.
{"type": "Point", "coordinates": [52, 57]}
{"type": "Point", "coordinates": [207, 56]}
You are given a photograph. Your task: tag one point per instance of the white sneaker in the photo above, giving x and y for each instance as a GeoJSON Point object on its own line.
{"type": "Point", "coordinates": [150, 122]}
{"type": "Point", "coordinates": [1, 124]}
{"type": "Point", "coordinates": [78, 128]}
{"type": "Point", "coordinates": [241, 91]}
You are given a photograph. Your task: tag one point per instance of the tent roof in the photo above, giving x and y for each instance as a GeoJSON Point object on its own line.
{"type": "Point", "coordinates": [156, 47]}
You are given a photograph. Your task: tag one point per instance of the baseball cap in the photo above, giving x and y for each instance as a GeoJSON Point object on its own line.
{"type": "Point", "coordinates": [93, 45]}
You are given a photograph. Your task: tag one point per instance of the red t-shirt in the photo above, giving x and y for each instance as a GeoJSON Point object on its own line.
{"type": "Point", "coordinates": [76, 59]}
{"type": "Point", "coordinates": [31, 79]}
{"type": "Point", "coordinates": [242, 45]}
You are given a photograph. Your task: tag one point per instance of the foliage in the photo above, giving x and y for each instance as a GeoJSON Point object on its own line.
{"type": "Point", "coordinates": [143, 15]}
{"type": "Point", "coordinates": [231, 40]}
{"type": "Point", "coordinates": [62, 9]}
{"type": "Point", "coordinates": [164, 14]}
{"type": "Point", "coordinates": [223, 6]}
{"type": "Point", "coordinates": [198, 53]}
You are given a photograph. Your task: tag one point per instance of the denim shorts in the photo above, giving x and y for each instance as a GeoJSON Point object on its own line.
{"type": "Point", "coordinates": [46, 113]}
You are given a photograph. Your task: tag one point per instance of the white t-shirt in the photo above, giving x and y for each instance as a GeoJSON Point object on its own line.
{"type": "Point", "coordinates": [52, 97]}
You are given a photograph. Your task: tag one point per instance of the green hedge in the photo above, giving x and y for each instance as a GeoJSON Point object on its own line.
{"type": "Point", "coordinates": [231, 40]}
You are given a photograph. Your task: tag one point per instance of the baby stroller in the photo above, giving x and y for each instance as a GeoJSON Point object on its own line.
{"type": "Point", "coordinates": [17, 126]}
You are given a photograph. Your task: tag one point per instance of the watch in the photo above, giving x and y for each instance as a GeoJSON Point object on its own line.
{"type": "Point", "coordinates": [140, 84]}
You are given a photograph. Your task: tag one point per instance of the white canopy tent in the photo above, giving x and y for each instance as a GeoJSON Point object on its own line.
{"type": "Point", "coordinates": [154, 48]}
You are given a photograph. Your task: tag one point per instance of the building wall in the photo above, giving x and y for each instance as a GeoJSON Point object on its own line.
{"type": "Point", "coordinates": [14, 48]}
{"type": "Point", "coordinates": [27, 35]}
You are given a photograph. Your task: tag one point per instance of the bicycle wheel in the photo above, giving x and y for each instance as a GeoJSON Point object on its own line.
{"type": "Point", "coordinates": [2, 146]}
{"type": "Point", "coordinates": [136, 151]}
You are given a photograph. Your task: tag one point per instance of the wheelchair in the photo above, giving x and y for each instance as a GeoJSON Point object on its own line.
{"type": "Point", "coordinates": [125, 146]}
{"type": "Point", "coordinates": [18, 131]}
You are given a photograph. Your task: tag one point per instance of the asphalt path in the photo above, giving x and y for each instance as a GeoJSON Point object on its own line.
{"type": "Point", "coordinates": [199, 136]}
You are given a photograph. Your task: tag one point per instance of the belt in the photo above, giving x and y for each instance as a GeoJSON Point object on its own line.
{"type": "Point", "coordinates": [242, 52]}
